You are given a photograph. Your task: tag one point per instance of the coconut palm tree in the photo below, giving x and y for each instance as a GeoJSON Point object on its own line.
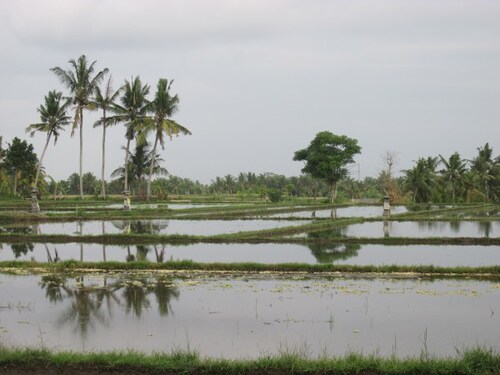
{"type": "Point", "coordinates": [53, 120]}
{"type": "Point", "coordinates": [162, 107]}
{"type": "Point", "coordinates": [139, 165]}
{"type": "Point", "coordinates": [131, 112]}
{"type": "Point", "coordinates": [82, 83]}
{"type": "Point", "coordinates": [483, 166]}
{"type": "Point", "coordinates": [105, 101]}
{"type": "Point", "coordinates": [454, 170]}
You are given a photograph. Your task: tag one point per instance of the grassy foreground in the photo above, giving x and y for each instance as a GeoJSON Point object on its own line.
{"type": "Point", "coordinates": [475, 361]}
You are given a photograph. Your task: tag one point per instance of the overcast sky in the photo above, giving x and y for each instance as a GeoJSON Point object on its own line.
{"type": "Point", "coordinates": [257, 79]}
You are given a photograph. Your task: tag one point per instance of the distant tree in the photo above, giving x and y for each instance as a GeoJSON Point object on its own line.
{"type": "Point", "coordinates": [162, 107]}
{"type": "Point", "coordinates": [20, 162]}
{"type": "Point", "coordinates": [327, 158]}
{"type": "Point", "coordinates": [82, 83]}
{"type": "Point", "coordinates": [4, 178]}
{"type": "Point", "coordinates": [139, 165]}
{"type": "Point", "coordinates": [53, 120]}
{"type": "Point", "coordinates": [420, 180]}
{"type": "Point", "coordinates": [484, 168]}
{"type": "Point", "coordinates": [453, 172]}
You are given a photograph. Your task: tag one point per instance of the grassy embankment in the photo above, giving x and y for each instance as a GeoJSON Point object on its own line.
{"type": "Point", "coordinates": [19, 361]}
{"type": "Point", "coordinates": [395, 271]}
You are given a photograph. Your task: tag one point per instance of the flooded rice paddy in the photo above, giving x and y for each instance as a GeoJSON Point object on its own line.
{"type": "Point", "coordinates": [252, 315]}
{"type": "Point", "coordinates": [342, 212]}
{"type": "Point", "coordinates": [160, 227]}
{"type": "Point", "coordinates": [352, 254]}
{"type": "Point", "coordinates": [249, 317]}
{"type": "Point", "coordinates": [416, 229]}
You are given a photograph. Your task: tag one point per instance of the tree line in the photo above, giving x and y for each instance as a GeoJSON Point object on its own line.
{"type": "Point", "coordinates": [431, 179]}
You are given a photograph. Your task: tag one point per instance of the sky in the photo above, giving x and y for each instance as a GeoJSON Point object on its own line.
{"type": "Point", "coordinates": [258, 79]}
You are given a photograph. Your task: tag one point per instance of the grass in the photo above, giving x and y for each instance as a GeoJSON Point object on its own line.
{"type": "Point", "coordinates": [488, 272]}
{"type": "Point", "coordinates": [473, 361]}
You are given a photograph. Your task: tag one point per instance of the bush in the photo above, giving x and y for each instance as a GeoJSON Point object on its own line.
{"type": "Point", "coordinates": [275, 195]}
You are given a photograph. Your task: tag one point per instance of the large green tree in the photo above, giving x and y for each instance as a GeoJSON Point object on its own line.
{"type": "Point", "coordinates": [105, 101]}
{"type": "Point", "coordinates": [162, 107]}
{"type": "Point", "coordinates": [327, 158]}
{"type": "Point", "coordinates": [53, 118]}
{"type": "Point", "coordinates": [20, 162]}
{"type": "Point", "coordinates": [82, 83]}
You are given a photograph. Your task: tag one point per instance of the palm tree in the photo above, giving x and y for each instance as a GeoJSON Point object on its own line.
{"type": "Point", "coordinates": [453, 172]}
{"type": "Point", "coordinates": [162, 107]}
{"type": "Point", "coordinates": [140, 163]}
{"type": "Point", "coordinates": [82, 85]}
{"type": "Point", "coordinates": [420, 179]}
{"type": "Point", "coordinates": [483, 165]}
{"type": "Point", "coordinates": [53, 119]}
{"type": "Point", "coordinates": [105, 102]}
{"type": "Point", "coordinates": [132, 113]}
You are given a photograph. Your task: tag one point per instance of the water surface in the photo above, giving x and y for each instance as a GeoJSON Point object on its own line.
{"type": "Point", "coordinates": [249, 317]}
{"type": "Point", "coordinates": [353, 254]}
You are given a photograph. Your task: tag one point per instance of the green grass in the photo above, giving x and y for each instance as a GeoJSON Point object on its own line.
{"type": "Point", "coordinates": [474, 361]}
{"type": "Point", "coordinates": [487, 272]}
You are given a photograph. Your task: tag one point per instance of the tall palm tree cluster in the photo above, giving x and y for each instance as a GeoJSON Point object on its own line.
{"type": "Point", "coordinates": [455, 180]}
{"type": "Point", "coordinates": [128, 105]}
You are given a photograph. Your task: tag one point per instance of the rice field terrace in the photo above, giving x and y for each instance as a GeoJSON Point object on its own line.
{"type": "Point", "coordinates": [256, 283]}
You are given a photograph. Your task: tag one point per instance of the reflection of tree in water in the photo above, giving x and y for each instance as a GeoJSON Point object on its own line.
{"type": "Point", "coordinates": [90, 306]}
{"type": "Point", "coordinates": [326, 252]}
{"type": "Point", "coordinates": [141, 226]}
{"type": "Point", "coordinates": [54, 286]}
{"type": "Point", "coordinates": [21, 248]}
{"type": "Point", "coordinates": [485, 228]}
{"type": "Point", "coordinates": [135, 295]}
{"type": "Point", "coordinates": [455, 226]}
{"type": "Point", "coordinates": [164, 290]}
{"type": "Point", "coordinates": [84, 310]}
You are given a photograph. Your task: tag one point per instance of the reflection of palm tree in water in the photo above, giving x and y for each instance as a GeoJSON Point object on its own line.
{"type": "Point", "coordinates": [91, 305]}
{"type": "Point", "coordinates": [161, 255]}
{"type": "Point", "coordinates": [84, 310]}
{"type": "Point", "coordinates": [54, 286]}
{"type": "Point", "coordinates": [136, 295]}
{"type": "Point", "coordinates": [141, 226]}
{"type": "Point", "coordinates": [164, 292]}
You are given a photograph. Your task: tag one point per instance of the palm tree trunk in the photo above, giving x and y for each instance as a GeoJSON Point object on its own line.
{"type": "Point", "coordinates": [103, 184]}
{"type": "Point", "coordinates": [125, 186]}
{"type": "Point", "coordinates": [41, 159]}
{"type": "Point", "coordinates": [81, 153]}
{"type": "Point", "coordinates": [153, 157]}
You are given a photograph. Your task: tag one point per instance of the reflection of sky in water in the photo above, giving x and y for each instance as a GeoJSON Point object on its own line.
{"type": "Point", "coordinates": [423, 229]}
{"type": "Point", "coordinates": [248, 318]}
{"type": "Point", "coordinates": [443, 255]}
{"type": "Point", "coordinates": [172, 226]}
{"type": "Point", "coordinates": [353, 211]}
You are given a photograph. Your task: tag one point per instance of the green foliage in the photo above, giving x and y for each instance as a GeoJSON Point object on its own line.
{"type": "Point", "coordinates": [275, 195]}
{"type": "Point", "coordinates": [327, 158]}
{"type": "Point", "coordinates": [21, 163]}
